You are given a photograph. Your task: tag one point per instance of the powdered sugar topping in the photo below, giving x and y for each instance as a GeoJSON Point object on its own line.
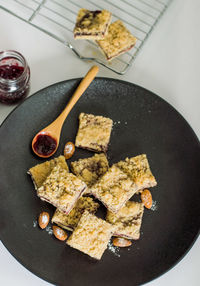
{"type": "Point", "coordinates": [35, 223]}
{"type": "Point", "coordinates": [113, 249]}
{"type": "Point", "coordinates": [154, 206]}
{"type": "Point", "coordinates": [49, 230]}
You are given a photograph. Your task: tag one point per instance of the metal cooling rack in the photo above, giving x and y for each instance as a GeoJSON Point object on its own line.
{"type": "Point", "coordinates": [57, 19]}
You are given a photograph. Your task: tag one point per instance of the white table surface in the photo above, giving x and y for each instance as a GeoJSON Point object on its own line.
{"type": "Point", "coordinates": [168, 65]}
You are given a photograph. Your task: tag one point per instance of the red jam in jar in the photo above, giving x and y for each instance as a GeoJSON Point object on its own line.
{"type": "Point", "coordinates": [14, 77]}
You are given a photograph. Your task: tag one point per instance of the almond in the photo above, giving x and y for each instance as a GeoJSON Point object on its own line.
{"type": "Point", "coordinates": [146, 198]}
{"type": "Point", "coordinates": [59, 233]}
{"type": "Point", "coordinates": [43, 220]}
{"type": "Point", "coordinates": [121, 242]}
{"type": "Point", "coordinates": [69, 150]}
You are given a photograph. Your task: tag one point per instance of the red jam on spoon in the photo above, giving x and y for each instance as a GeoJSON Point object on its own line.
{"type": "Point", "coordinates": [44, 145]}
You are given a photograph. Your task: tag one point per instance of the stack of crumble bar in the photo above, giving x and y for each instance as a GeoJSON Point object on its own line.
{"type": "Point", "coordinates": [113, 39]}
{"type": "Point", "coordinates": [71, 192]}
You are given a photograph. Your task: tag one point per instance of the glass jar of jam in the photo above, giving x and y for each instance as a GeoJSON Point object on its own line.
{"type": "Point", "coordinates": [14, 77]}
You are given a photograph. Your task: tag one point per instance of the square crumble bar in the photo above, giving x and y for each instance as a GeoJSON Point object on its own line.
{"type": "Point", "coordinates": [90, 169]}
{"type": "Point", "coordinates": [128, 220]}
{"type": "Point", "coordinates": [40, 172]}
{"type": "Point", "coordinates": [117, 41]}
{"type": "Point", "coordinates": [114, 189]}
{"type": "Point", "coordinates": [94, 132]}
{"type": "Point", "coordinates": [91, 235]}
{"type": "Point", "coordinates": [138, 169]}
{"type": "Point", "coordinates": [61, 189]}
{"type": "Point", "coordinates": [71, 220]}
{"type": "Point", "coordinates": [91, 25]}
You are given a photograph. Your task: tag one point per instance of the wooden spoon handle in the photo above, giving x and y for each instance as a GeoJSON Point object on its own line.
{"type": "Point", "coordinates": [77, 94]}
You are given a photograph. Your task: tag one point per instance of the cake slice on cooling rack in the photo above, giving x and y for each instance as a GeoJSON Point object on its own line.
{"type": "Point", "coordinates": [117, 41]}
{"type": "Point", "coordinates": [92, 25]}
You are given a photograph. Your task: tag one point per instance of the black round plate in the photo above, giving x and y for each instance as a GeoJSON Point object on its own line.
{"type": "Point", "coordinates": [143, 123]}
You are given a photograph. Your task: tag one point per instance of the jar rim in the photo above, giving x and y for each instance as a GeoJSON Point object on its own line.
{"type": "Point", "coordinates": [19, 57]}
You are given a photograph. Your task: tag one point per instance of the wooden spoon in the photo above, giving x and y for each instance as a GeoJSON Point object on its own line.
{"type": "Point", "coordinates": [45, 142]}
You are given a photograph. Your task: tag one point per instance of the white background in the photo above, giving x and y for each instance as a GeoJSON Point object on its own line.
{"type": "Point", "coordinates": [168, 65]}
